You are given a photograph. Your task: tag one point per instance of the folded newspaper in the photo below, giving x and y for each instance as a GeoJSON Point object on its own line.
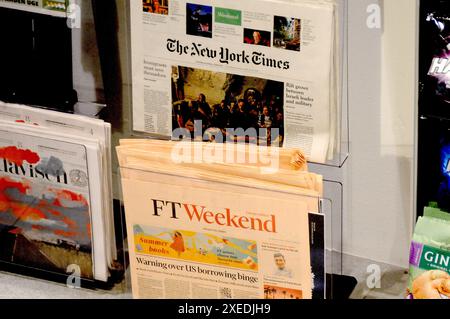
{"type": "Point", "coordinates": [209, 220]}
{"type": "Point", "coordinates": [264, 71]}
{"type": "Point", "coordinates": [55, 192]}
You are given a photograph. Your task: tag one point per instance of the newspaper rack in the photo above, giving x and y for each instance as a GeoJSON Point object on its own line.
{"type": "Point", "coordinates": [23, 255]}
{"type": "Point", "coordinates": [338, 285]}
{"type": "Point", "coordinates": [121, 79]}
{"type": "Point", "coordinates": [43, 264]}
{"type": "Point", "coordinates": [15, 244]}
{"type": "Point", "coordinates": [331, 206]}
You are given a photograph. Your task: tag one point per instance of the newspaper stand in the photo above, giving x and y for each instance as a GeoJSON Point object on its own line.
{"type": "Point", "coordinates": [338, 285]}
{"type": "Point", "coordinates": [10, 254]}
{"type": "Point", "coordinates": [116, 282]}
{"type": "Point", "coordinates": [113, 33]}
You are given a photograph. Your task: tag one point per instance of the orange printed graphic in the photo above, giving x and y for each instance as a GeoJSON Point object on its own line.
{"type": "Point", "coordinates": [18, 156]}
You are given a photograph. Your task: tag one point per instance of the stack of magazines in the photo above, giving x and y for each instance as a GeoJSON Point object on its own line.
{"type": "Point", "coordinates": [267, 72]}
{"type": "Point", "coordinates": [55, 193]}
{"type": "Point", "coordinates": [209, 220]}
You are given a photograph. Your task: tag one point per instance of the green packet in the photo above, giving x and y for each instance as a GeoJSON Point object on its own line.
{"type": "Point", "coordinates": [434, 212]}
{"type": "Point", "coordinates": [430, 257]}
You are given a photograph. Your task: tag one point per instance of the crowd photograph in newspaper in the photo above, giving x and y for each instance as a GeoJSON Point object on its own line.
{"type": "Point", "coordinates": [222, 103]}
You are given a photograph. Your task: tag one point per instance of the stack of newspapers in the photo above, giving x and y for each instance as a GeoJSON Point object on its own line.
{"type": "Point", "coordinates": [208, 220]}
{"type": "Point", "coordinates": [55, 192]}
{"type": "Point", "coordinates": [262, 71]}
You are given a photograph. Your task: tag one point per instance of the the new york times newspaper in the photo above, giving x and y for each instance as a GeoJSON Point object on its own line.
{"type": "Point", "coordinates": [205, 69]}
{"type": "Point", "coordinates": [198, 240]}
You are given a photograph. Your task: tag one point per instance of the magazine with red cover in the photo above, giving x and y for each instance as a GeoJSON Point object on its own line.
{"type": "Point", "coordinates": [45, 211]}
